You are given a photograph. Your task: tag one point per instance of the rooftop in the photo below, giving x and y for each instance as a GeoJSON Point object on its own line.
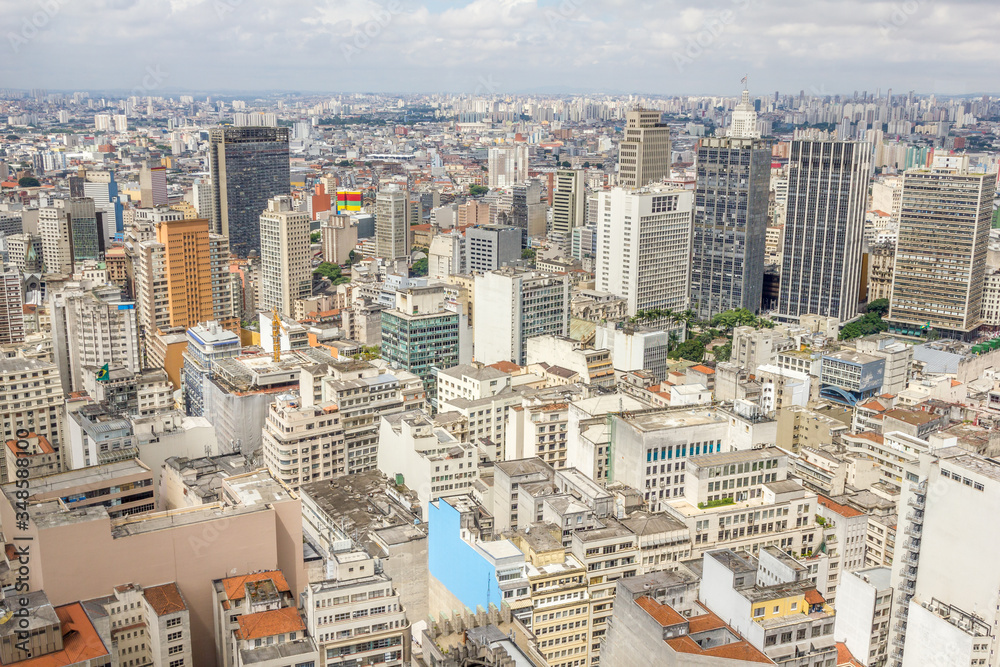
{"type": "Point", "coordinates": [270, 623]}
{"type": "Point", "coordinates": [81, 641]}
{"type": "Point", "coordinates": [165, 599]}
{"type": "Point", "coordinates": [726, 458]}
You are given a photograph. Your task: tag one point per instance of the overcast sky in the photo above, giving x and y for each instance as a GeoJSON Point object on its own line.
{"type": "Point", "coordinates": [620, 46]}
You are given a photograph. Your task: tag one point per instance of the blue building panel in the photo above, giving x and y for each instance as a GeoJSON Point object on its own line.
{"type": "Point", "coordinates": [460, 568]}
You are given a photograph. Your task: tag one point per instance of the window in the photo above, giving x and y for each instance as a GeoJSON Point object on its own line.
{"type": "Point", "coordinates": [758, 612]}
{"type": "Point", "coordinates": [173, 650]}
{"type": "Point", "coordinates": [177, 663]}
{"type": "Point", "coordinates": [174, 636]}
{"type": "Point", "coordinates": [174, 622]}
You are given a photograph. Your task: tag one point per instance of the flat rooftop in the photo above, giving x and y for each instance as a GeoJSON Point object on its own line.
{"type": "Point", "coordinates": [661, 420]}
{"type": "Point", "coordinates": [726, 458]}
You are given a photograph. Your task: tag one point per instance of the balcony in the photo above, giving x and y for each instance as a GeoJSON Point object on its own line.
{"type": "Point", "coordinates": [914, 530]}
{"type": "Point", "coordinates": [917, 500]}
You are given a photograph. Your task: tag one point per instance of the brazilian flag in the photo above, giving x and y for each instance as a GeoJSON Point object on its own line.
{"type": "Point", "coordinates": [102, 373]}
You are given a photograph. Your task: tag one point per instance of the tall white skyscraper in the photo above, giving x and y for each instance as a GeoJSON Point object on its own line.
{"type": "Point", "coordinates": [391, 228]}
{"type": "Point", "coordinates": [644, 246]}
{"type": "Point", "coordinates": [284, 255]}
{"type": "Point", "coordinates": [824, 225]}
{"type": "Point", "coordinates": [644, 153]}
{"type": "Point", "coordinates": [508, 165]}
{"type": "Point", "coordinates": [744, 124]}
{"type": "Point", "coordinates": [568, 204]}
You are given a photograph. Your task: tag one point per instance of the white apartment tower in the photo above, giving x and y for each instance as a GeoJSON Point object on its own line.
{"type": "Point", "coordinates": [508, 165]}
{"type": "Point", "coordinates": [568, 203]}
{"type": "Point", "coordinates": [744, 122]}
{"type": "Point", "coordinates": [644, 153]}
{"type": "Point", "coordinates": [284, 255]}
{"type": "Point", "coordinates": [644, 246]}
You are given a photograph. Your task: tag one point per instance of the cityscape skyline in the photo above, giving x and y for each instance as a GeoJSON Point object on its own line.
{"type": "Point", "coordinates": [510, 46]}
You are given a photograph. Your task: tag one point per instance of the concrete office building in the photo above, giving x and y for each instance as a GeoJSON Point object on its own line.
{"type": "Point", "coordinates": [248, 166]}
{"type": "Point", "coordinates": [302, 444]}
{"type": "Point", "coordinates": [537, 304]}
{"type": "Point", "coordinates": [11, 306]}
{"type": "Point", "coordinates": [206, 343]}
{"type": "Point", "coordinates": [488, 248]}
{"type": "Point", "coordinates": [24, 252]}
{"type": "Point", "coordinates": [644, 247]}
{"type": "Point", "coordinates": [285, 258]}
{"type": "Point", "coordinates": [527, 209]}
{"type": "Point", "coordinates": [422, 334]}
{"type": "Point", "coordinates": [944, 228]}
{"type": "Point", "coordinates": [730, 224]}
{"type": "Point", "coordinates": [391, 227]}
{"type": "Point", "coordinates": [644, 153]}
{"type": "Point", "coordinates": [821, 258]}
{"type": "Point", "coordinates": [338, 237]}
{"type": "Point", "coordinates": [568, 204]}
{"type": "Point", "coordinates": [70, 234]}
{"type": "Point", "coordinates": [152, 185]}
{"type": "Point", "coordinates": [864, 606]}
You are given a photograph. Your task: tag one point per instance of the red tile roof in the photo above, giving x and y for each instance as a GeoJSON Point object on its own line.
{"type": "Point", "coordinates": [236, 586]}
{"type": "Point", "coordinates": [842, 510]}
{"type": "Point", "coordinates": [80, 640]}
{"type": "Point", "coordinates": [703, 369]}
{"type": "Point", "coordinates": [813, 596]}
{"type": "Point", "coordinates": [270, 623]}
{"type": "Point", "coordinates": [845, 658]}
{"type": "Point", "coordinates": [661, 613]}
{"type": "Point", "coordinates": [165, 599]}
{"type": "Point", "coordinates": [667, 616]}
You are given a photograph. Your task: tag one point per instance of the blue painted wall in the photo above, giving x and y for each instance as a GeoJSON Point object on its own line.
{"type": "Point", "coordinates": [461, 569]}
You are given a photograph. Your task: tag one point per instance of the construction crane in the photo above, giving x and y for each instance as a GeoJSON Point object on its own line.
{"type": "Point", "coordinates": [276, 328]}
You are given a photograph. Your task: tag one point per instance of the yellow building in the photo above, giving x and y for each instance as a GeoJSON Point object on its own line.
{"type": "Point", "coordinates": [560, 604]}
{"type": "Point", "coordinates": [187, 208]}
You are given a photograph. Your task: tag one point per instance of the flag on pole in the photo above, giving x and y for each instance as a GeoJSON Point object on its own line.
{"type": "Point", "coordinates": [102, 373]}
{"type": "Point", "coordinates": [744, 79]}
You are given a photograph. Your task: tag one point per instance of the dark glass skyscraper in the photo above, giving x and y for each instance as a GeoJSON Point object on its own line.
{"type": "Point", "coordinates": [249, 166]}
{"type": "Point", "coordinates": [730, 225]}
{"type": "Point", "coordinates": [827, 198]}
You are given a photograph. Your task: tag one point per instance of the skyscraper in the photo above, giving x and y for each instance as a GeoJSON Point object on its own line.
{"type": "Point", "coordinates": [391, 230]}
{"type": "Point", "coordinates": [284, 256]}
{"type": "Point", "coordinates": [70, 234]}
{"type": "Point", "coordinates": [644, 153]}
{"type": "Point", "coordinates": [821, 257]}
{"type": "Point", "coordinates": [152, 185]}
{"type": "Point", "coordinates": [944, 228]}
{"type": "Point", "coordinates": [568, 204]}
{"type": "Point", "coordinates": [249, 166]}
{"type": "Point", "coordinates": [182, 277]}
{"type": "Point", "coordinates": [644, 246]}
{"type": "Point", "coordinates": [507, 165]}
{"type": "Point", "coordinates": [744, 122]}
{"type": "Point", "coordinates": [730, 224]}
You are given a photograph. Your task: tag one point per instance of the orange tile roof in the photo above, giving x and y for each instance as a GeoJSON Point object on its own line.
{"type": "Point", "coordinates": [872, 405]}
{"type": "Point", "coordinates": [80, 640]}
{"type": "Point", "coordinates": [842, 510]}
{"type": "Point", "coordinates": [813, 596]}
{"type": "Point", "coordinates": [270, 623]}
{"type": "Point", "coordinates": [844, 656]}
{"type": "Point", "coordinates": [703, 369]}
{"type": "Point", "coordinates": [869, 435]}
{"type": "Point", "coordinates": [661, 613]}
{"type": "Point", "coordinates": [740, 650]}
{"type": "Point", "coordinates": [165, 599]}
{"type": "Point", "coordinates": [506, 366]}
{"type": "Point", "coordinates": [236, 586]}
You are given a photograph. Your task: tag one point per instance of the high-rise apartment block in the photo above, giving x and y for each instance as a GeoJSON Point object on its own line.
{"type": "Point", "coordinates": [944, 228]}
{"type": "Point", "coordinates": [249, 166]}
{"type": "Point", "coordinates": [821, 258]}
{"type": "Point", "coordinates": [644, 153]}
{"type": "Point", "coordinates": [31, 398]}
{"type": "Point", "coordinates": [489, 247]}
{"type": "Point", "coordinates": [508, 165]}
{"type": "Point", "coordinates": [92, 326]}
{"type": "Point", "coordinates": [730, 224]}
{"type": "Point", "coordinates": [644, 246]}
{"type": "Point", "coordinates": [286, 273]}
{"type": "Point", "coordinates": [70, 234]}
{"type": "Point", "coordinates": [391, 228]}
{"type": "Point", "coordinates": [182, 278]}
{"type": "Point", "coordinates": [537, 304]}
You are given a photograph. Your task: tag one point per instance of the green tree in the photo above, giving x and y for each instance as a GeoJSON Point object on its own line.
{"type": "Point", "coordinates": [419, 267]}
{"type": "Point", "coordinates": [566, 165]}
{"type": "Point", "coordinates": [333, 272]}
{"type": "Point", "coordinates": [315, 237]}
{"type": "Point", "coordinates": [586, 165]}
{"type": "Point", "coordinates": [880, 306]}
{"type": "Point", "coordinates": [529, 254]}
{"type": "Point", "coordinates": [28, 182]}
{"type": "Point", "coordinates": [692, 350]}
{"type": "Point", "coordinates": [12, 137]}
{"type": "Point", "coordinates": [723, 352]}
{"type": "Point", "coordinates": [868, 324]}
{"type": "Point", "coordinates": [352, 257]}
{"type": "Point", "coordinates": [477, 190]}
